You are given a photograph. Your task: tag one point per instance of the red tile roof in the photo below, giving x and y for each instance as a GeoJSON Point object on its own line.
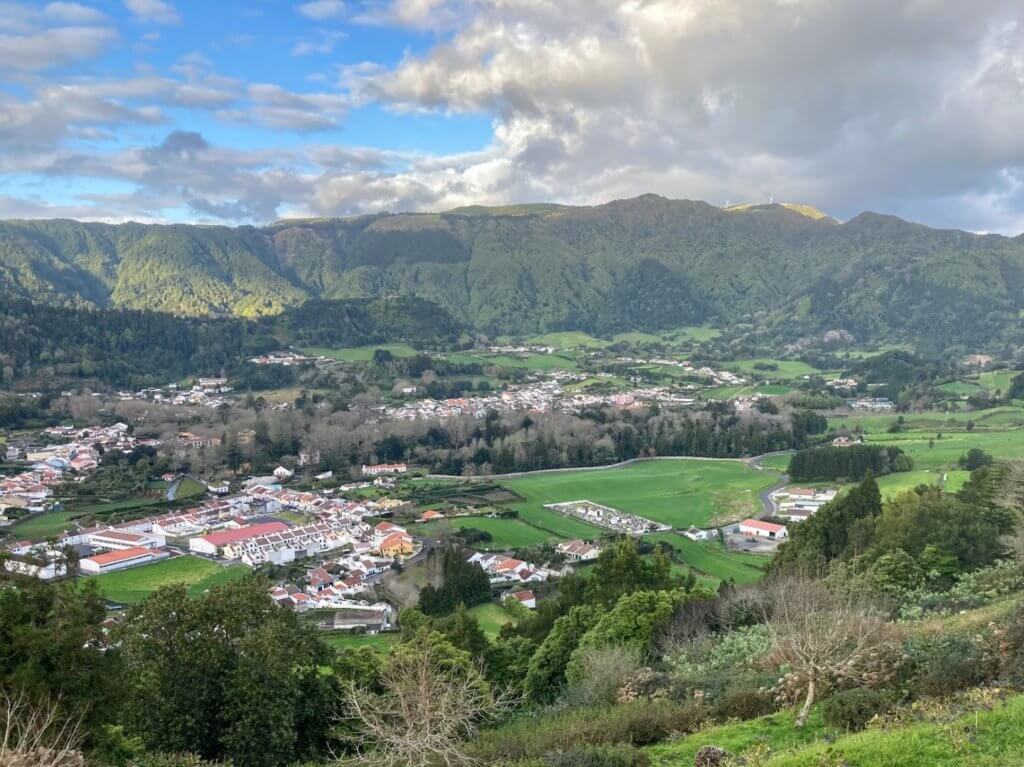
{"type": "Point", "coordinates": [768, 527]}
{"type": "Point", "coordinates": [110, 557]}
{"type": "Point", "coordinates": [243, 533]}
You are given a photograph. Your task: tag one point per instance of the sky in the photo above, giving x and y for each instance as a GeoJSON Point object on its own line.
{"type": "Point", "coordinates": [222, 111]}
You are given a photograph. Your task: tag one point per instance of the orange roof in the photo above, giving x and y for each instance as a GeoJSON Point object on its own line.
{"type": "Point", "coordinates": [431, 514]}
{"type": "Point", "coordinates": [110, 557]}
{"type": "Point", "coordinates": [768, 527]}
{"type": "Point", "coordinates": [395, 539]}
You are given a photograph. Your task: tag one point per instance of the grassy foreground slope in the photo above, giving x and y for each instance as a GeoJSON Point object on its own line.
{"type": "Point", "coordinates": [983, 739]}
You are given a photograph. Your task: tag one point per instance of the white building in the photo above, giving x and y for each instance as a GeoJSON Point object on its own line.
{"type": "Point", "coordinates": [110, 561]}
{"type": "Point", "coordinates": [757, 528]}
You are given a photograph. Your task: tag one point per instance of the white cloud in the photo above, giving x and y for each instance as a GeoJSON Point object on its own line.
{"type": "Point", "coordinates": [153, 11]}
{"type": "Point", "coordinates": [54, 47]}
{"type": "Point", "coordinates": [73, 13]}
{"type": "Point", "coordinates": [321, 10]}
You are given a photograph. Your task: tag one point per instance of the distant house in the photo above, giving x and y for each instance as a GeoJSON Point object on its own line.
{"type": "Point", "coordinates": [282, 473]}
{"type": "Point", "coordinates": [757, 528]}
{"type": "Point", "coordinates": [381, 469]}
{"type": "Point", "coordinates": [395, 545]}
{"type": "Point", "coordinates": [978, 360]}
{"type": "Point", "coordinates": [526, 599]}
{"type": "Point", "coordinates": [696, 534]}
{"type": "Point", "coordinates": [430, 515]}
{"type": "Point", "coordinates": [121, 540]}
{"type": "Point", "coordinates": [578, 551]}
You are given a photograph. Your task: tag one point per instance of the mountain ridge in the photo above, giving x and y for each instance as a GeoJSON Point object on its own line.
{"type": "Point", "coordinates": [644, 263]}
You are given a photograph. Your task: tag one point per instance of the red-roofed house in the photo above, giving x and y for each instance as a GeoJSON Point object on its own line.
{"type": "Point", "coordinates": [760, 529]}
{"type": "Point", "coordinates": [430, 515]}
{"type": "Point", "coordinates": [526, 599]}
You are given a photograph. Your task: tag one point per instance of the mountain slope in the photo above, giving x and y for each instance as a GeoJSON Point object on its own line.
{"type": "Point", "coordinates": [645, 263]}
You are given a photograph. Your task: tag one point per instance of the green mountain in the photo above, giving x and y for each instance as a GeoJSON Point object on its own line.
{"type": "Point", "coordinates": [646, 263]}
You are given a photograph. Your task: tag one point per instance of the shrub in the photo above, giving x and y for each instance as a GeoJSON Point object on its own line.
{"type": "Point", "coordinates": [598, 756]}
{"type": "Point", "coordinates": [744, 704]}
{"type": "Point", "coordinates": [943, 664]}
{"type": "Point", "coordinates": [535, 735]}
{"type": "Point", "coordinates": [602, 671]}
{"type": "Point", "coordinates": [853, 709]}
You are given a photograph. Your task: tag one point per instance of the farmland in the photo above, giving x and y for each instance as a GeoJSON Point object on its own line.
{"type": "Point", "coordinates": [135, 584]}
{"type": "Point", "coordinates": [676, 492]}
{"type": "Point", "coordinates": [712, 560]}
{"type": "Point", "coordinates": [360, 353]}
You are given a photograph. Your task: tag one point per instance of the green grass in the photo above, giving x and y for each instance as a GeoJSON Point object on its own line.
{"type": "Point", "coordinates": [345, 641]}
{"type": "Point", "coordinates": [189, 488]}
{"type": "Point", "coordinates": [959, 388]}
{"type": "Point", "coordinates": [997, 379]}
{"type": "Point", "coordinates": [892, 484]}
{"type": "Point", "coordinates": [491, 618]}
{"type": "Point", "coordinates": [43, 526]}
{"type": "Point", "coordinates": [676, 492]}
{"type": "Point", "coordinates": [567, 339]}
{"type": "Point", "coordinates": [786, 368]}
{"type": "Point", "coordinates": [360, 353]}
{"type": "Point", "coordinates": [696, 333]}
{"type": "Point", "coordinates": [558, 525]}
{"type": "Point", "coordinates": [982, 739]}
{"type": "Point", "coordinates": [711, 559]}
{"type": "Point", "coordinates": [776, 732]}
{"type": "Point", "coordinates": [137, 583]}
{"type": "Point", "coordinates": [505, 533]}
{"type": "Point", "coordinates": [778, 462]}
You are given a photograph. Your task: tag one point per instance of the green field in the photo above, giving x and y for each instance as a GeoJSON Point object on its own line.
{"type": "Point", "coordinates": [491, 618]}
{"type": "Point", "coordinates": [505, 533]}
{"type": "Point", "coordinates": [567, 339]}
{"type": "Point", "coordinates": [345, 641]}
{"type": "Point", "coordinates": [786, 368]}
{"type": "Point", "coordinates": [960, 388]}
{"type": "Point", "coordinates": [137, 583]}
{"type": "Point", "coordinates": [711, 559]}
{"type": "Point", "coordinates": [676, 492]}
{"type": "Point", "coordinates": [892, 484]}
{"type": "Point", "coordinates": [360, 353]}
{"type": "Point", "coordinates": [997, 379]}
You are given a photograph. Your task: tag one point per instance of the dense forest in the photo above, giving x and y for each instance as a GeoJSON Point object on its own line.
{"type": "Point", "coordinates": [850, 463]}
{"type": "Point", "coordinates": [645, 263]}
{"type": "Point", "coordinates": [124, 347]}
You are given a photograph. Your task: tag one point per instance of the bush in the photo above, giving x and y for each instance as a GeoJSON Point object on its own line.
{"type": "Point", "coordinates": [603, 670]}
{"type": "Point", "coordinates": [598, 756]}
{"type": "Point", "coordinates": [744, 704]}
{"type": "Point", "coordinates": [535, 735]}
{"type": "Point", "coordinates": [946, 663]}
{"type": "Point", "coordinates": [853, 709]}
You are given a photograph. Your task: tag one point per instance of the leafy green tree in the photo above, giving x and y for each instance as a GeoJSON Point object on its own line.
{"type": "Point", "coordinates": [633, 623]}
{"type": "Point", "coordinates": [52, 646]}
{"type": "Point", "coordinates": [620, 569]}
{"type": "Point", "coordinates": [546, 674]}
{"type": "Point", "coordinates": [895, 573]}
{"type": "Point", "coordinates": [462, 583]}
{"type": "Point", "coordinates": [508, 662]}
{"type": "Point", "coordinates": [463, 631]}
{"type": "Point", "coordinates": [226, 675]}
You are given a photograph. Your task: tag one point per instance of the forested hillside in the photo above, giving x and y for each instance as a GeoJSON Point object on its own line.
{"type": "Point", "coordinates": [646, 263]}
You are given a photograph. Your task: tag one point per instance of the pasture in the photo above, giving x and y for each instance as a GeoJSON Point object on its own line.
{"type": "Point", "coordinates": [136, 583]}
{"type": "Point", "coordinates": [678, 492]}
{"type": "Point", "coordinates": [360, 353]}
{"type": "Point", "coordinates": [712, 560]}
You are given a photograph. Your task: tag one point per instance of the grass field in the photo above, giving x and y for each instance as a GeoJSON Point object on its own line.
{"type": "Point", "coordinates": [712, 560]}
{"type": "Point", "coordinates": [505, 533]}
{"type": "Point", "coordinates": [786, 368]}
{"type": "Point", "coordinates": [491, 618]}
{"type": "Point", "coordinates": [345, 641]}
{"type": "Point", "coordinates": [997, 379]}
{"type": "Point", "coordinates": [360, 353]}
{"type": "Point", "coordinates": [567, 339]}
{"type": "Point", "coordinates": [676, 492]}
{"type": "Point", "coordinates": [137, 583]}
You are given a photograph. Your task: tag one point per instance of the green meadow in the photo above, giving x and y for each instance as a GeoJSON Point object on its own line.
{"type": "Point", "coordinates": [709, 558]}
{"type": "Point", "coordinates": [136, 583]}
{"type": "Point", "coordinates": [678, 492]}
{"type": "Point", "coordinates": [360, 353]}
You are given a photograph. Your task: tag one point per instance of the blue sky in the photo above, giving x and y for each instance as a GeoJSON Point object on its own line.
{"type": "Point", "coordinates": [244, 112]}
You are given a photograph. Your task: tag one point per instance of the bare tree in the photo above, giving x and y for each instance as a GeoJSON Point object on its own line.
{"type": "Point", "coordinates": [1010, 490]}
{"type": "Point", "coordinates": [427, 712]}
{"type": "Point", "coordinates": [826, 639]}
{"type": "Point", "coordinates": [37, 735]}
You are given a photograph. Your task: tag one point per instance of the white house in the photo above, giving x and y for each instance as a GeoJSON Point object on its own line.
{"type": "Point", "coordinates": [120, 540]}
{"type": "Point", "coordinates": [696, 534]}
{"type": "Point", "coordinates": [578, 551]}
{"type": "Point", "coordinates": [282, 473]}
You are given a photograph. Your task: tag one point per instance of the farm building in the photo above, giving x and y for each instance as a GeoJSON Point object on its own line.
{"type": "Point", "coordinates": [759, 529]}
{"type": "Point", "coordinates": [110, 561]}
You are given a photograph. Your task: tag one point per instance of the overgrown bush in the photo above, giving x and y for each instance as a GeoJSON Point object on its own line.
{"type": "Point", "coordinates": [744, 704]}
{"type": "Point", "coordinates": [853, 709]}
{"type": "Point", "coordinates": [603, 671]}
{"type": "Point", "coordinates": [943, 664]}
{"type": "Point", "coordinates": [598, 756]}
{"type": "Point", "coordinates": [533, 736]}
{"type": "Point", "coordinates": [970, 591]}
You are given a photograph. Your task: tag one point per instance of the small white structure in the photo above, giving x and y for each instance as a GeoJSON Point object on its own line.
{"type": "Point", "coordinates": [122, 540]}
{"type": "Point", "coordinates": [696, 534]}
{"type": "Point", "coordinates": [578, 551]}
{"type": "Point", "coordinates": [381, 469]}
{"type": "Point", "coordinates": [282, 473]}
{"type": "Point", "coordinates": [526, 598]}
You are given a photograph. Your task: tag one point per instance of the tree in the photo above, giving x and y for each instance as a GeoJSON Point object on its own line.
{"type": "Point", "coordinates": [546, 675]}
{"type": "Point", "coordinates": [974, 459]}
{"type": "Point", "coordinates": [432, 701]}
{"type": "Point", "coordinates": [39, 734]}
{"type": "Point", "coordinates": [620, 569]}
{"type": "Point", "coordinates": [462, 582]}
{"type": "Point", "coordinates": [826, 639]}
{"type": "Point", "coordinates": [226, 675]}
